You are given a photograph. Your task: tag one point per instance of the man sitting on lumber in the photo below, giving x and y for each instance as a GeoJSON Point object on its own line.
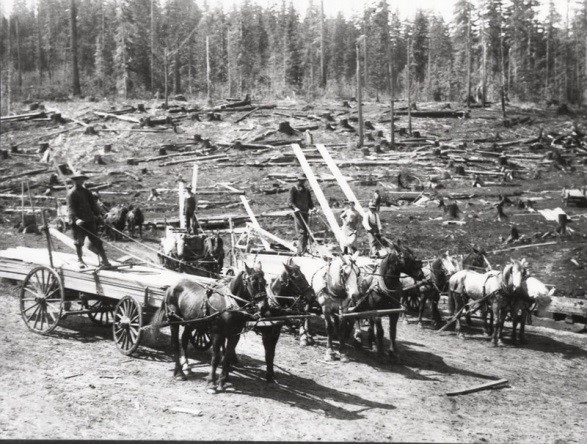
{"type": "Point", "coordinates": [374, 230]}
{"type": "Point", "coordinates": [300, 201]}
{"type": "Point", "coordinates": [84, 214]}
{"type": "Point", "coordinates": [350, 223]}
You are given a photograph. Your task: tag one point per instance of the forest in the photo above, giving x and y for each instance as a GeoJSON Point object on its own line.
{"type": "Point", "coordinates": [52, 49]}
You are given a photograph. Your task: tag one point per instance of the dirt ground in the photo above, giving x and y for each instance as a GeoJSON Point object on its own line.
{"type": "Point", "coordinates": [75, 384]}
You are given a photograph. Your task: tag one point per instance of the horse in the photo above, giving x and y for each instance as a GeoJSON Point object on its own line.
{"type": "Point", "coordinates": [115, 221]}
{"type": "Point", "coordinates": [135, 219]}
{"type": "Point", "coordinates": [213, 258]}
{"type": "Point", "coordinates": [436, 276]}
{"type": "Point", "coordinates": [226, 307]}
{"type": "Point", "coordinates": [534, 293]}
{"type": "Point", "coordinates": [172, 250]}
{"type": "Point", "coordinates": [336, 285]}
{"type": "Point", "coordinates": [382, 289]}
{"type": "Point", "coordinates": [288, 293]}
{"type": "Point", "coordinates": [500, 288]}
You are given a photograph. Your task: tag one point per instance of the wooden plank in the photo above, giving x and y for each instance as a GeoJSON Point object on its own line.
{"type": "Point", "coordinates": [274, 238]}
{"type": "Point", "coordinates": [318, 192]}
{"type": "Point", "coordinates": [569, 306]}
{"type": "Point", "coordinates": [255, 222]}
{"type": "Point", "coordinates": [68, 242]}
{"type": "Point", "coordinates": [478, 388]}
{"type": "Point", "coordinates": [342, 183]}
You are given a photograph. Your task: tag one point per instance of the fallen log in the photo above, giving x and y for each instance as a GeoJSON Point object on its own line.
{"type": "Point", "coordinates": [125, 118]}
{"type": "Point", "coordinates": [494, 384]}
{"type": "Point", "coordinates": [243, 117]}
{"type": "Point", "coordinates": [436, 114]}
{"type": "Point", "coordinates": [19, 117]}
{"type": "Point", "coordinates": [25, 173]}
{"type": "Point", "coordinates": [195, 159]}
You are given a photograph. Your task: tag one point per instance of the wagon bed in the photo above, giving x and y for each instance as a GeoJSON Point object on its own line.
{"type": "Point", "coordinates": [121, 297]}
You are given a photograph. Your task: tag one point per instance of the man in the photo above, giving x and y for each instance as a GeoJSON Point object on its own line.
{"type": "Point", "coordinates": [373, 223]}
{"type": "Point", "coordinates": [350, 223]}
{"type": "Point", "coordinates": [300, 201]}
{"type": "Point", "coordinates": [189, 210]}
{"type": "Point", "coordinates": [84, 214]}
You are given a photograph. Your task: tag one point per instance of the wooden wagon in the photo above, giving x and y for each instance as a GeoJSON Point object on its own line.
{"type": "Point", "coordinates": [124, 299]}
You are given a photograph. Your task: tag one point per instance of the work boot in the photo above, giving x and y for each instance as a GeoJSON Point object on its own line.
{"type": "Point", "coordinates": [105, 265]}
{"type": "Point", "coordinates": [80, 261]}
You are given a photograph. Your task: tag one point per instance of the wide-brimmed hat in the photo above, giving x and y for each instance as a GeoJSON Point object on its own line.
{"type": "Point", "coordinates": [78, 176]}
{"type": "Point", "coordinates": [301, 176]}
{"type": "Point", "coordinates": [372, 205]}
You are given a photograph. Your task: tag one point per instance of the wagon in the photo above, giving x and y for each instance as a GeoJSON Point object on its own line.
{"type": "Point", "coordinates": [53, 287]}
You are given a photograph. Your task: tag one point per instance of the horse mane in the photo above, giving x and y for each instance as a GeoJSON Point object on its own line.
{"type": "Point", "coordinates": [506, 276]}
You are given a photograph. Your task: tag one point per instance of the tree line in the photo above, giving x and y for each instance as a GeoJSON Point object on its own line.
{"type": "Point", "coordinates": [135, 48]}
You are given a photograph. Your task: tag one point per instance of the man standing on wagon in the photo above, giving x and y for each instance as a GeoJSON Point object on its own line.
{"type": "Point", "coordinates": [373, 225]}
{"type": "Point", "coordinates": [300, 201]}
{"type": "Point", "coordinates": [83, 216]}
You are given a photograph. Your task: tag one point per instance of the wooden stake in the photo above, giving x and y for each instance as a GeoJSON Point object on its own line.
{"type": "Point", "coordinates": [22, 212]}
{"type": "Point", "coordinates": [254, 221]}
{"type": "Point", "coordinates": [478, 388]}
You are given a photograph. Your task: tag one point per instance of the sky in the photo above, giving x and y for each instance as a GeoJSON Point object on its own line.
{"type": "Point", "coordinates": [406, 8]}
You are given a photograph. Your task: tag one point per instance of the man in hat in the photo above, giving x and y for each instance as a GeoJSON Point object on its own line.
{"type": "Point", "coordinates": [300, 201]}
{"type": "Point", "coordinates": [84, 215]}
{"type": "Point", "coordinates": [350, 223]}
{"type": "Point", "coordinates": [189, 210]}
{"type": "Point", "coordinates": [373, 225]}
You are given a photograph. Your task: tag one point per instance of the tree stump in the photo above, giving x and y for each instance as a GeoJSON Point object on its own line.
{"type": "Point", "coordinates": [98, 159]}
{"type": "Point", "coordinates": [162, 151]}
{"type": "Point", "coordinates": [56, 118]}
{"type": "Point", "coordinates": [90, 131]}
{"type": "Point", "coordinates": [197, 138]}
{"type": "Point", "coordinates": [460, 170]}
{"type": "Point", "coordinates": [378, 133]}
{"type": "Point", "coordinates": [562, 224]}
{"type": "Point", "coordinates": [365, 151]}
{"type": "Point", "coordinates": [13, 148]}
{"type": "Point", "coordinates": [346, 104]}
{"type": "Point", "coordinates": [416, 134]}
{"type": "Point", "coordinates": [344, 123]}
{"type": "Point", "coordinates": [195, 117]}
{"type": "Point", "coordinates": [168, 147]}
{"type": "Point", "coordinates": [4, 154]}
{"type": "Point", "coordinates": [329, 127]}
{"type": "Point", "coordinates": [369, 125]}
{"type": "Point", "coordinates": [206, 143]}
{"type": "Point", "coordinates": [285, 127]}
{"type": "Point", "coordinates": [214, 117]}
{"type": "Point", "coordinates": [403, 132]}
{"type": "Point", "coordinates": [369, 137]}
{"type": "Point", "coordinates": [64, 169]}
{"type": "Point", "coordinates": [53, 180]}
{"type": "Point", "coordinates": [237, 145]}
{"type": "Point", "coordinates": [141, 108]}
{"type": "Point", "coordinates": [107, 148]}
{"type": "Point", "coordinates": [132, 161]}
{"type": "Point", "coordinates": [43, 146]}
{"type": "Point", "coordinates": [328, 117]}
{"type": "Point", "coordinates": [503, 160]}
{"type": "Point", "coordinates": [308, 138]}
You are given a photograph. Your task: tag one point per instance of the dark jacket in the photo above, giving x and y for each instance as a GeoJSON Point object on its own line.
{"type": "Point", "coordinates": [81, 204]}
{"type": "Point", "coordinates": [189, 204]}
{"type": "Point", "coordinates": [301, 199]}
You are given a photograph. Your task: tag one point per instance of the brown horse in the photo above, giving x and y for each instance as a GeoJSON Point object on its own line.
{"type": "Point", "coordinates": [382, 289]}
{"type": "Point", "coordinates": [213, 259]}
{"type": "Point", "coordinates": [290, 293]}
{"type": "Point", "coordinates": [227, 306]}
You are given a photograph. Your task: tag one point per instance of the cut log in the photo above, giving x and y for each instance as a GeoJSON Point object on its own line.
{"type": "Point", "coordinates": [19, 117]}
{"type": "Point", "coordinates": [245, 102]}
{"type": "Point", "coordinates": [125, 118]}
{"type": "Point", "coordinates": [436, 114]}
{"type": "Point", "coordinates": [243, 117]}
{"type": "Point", "coordinates": [493, 384]}
{"type": "Point", "coordinates": [285, 127]}
{"type": "Point", "coordinates": [195, 159]}
{"type": "Point", "coordinates": [25, 173]}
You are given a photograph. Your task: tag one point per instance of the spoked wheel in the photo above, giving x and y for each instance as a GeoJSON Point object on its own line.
{"type": "Point", "coordinates": [41, 300]}
{"type": "Point", "coordinates": [200, 339]}
{"type": "Point", "coordinates": [102, 312]}
{"type": "Point", "coordinates": [128, 321]}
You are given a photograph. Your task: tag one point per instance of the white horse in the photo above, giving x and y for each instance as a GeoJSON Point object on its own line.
{"type": "Point", "coordinates": [501, 288]}
{"type": "Point", "coordinates": [336, 284]}
{"type": "Point", "coordinates": [534, 294]}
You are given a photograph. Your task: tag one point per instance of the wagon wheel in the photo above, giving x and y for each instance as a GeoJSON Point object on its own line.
{"type": "Point", "coordinates": [41, 300]}
{"type": "Point", "coordinates": [412, 301]}
{"type": "Point", "coordinates": [200, 339]}
{"type": "Point", "coordinates": [128, 321]}
{"type": "Point", "coordinates": [102, 312]}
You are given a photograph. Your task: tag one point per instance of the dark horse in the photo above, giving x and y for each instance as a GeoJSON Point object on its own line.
{"type": "Point", "coordinates": [228, 305]}
{"type": "Point", "coordinates": [382, 289]}
{"type": "Point", "coordinates": [290, 293]}
{"type": "Point", "coordinates": [213, 258]}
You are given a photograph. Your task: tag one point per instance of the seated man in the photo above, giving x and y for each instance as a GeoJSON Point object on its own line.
{"type": "Point", "coordinates": [83, 216]}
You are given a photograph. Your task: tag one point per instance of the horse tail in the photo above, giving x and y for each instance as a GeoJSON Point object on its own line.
{"type": "Point", "coordinates": [160, 314]}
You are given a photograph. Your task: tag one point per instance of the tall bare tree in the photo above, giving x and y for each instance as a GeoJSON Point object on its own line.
{"type": "Point", "coordinates": [76, 88]}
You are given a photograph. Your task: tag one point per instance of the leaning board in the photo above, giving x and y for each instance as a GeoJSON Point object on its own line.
{"type": "Point", "coordinates": [146, 284]}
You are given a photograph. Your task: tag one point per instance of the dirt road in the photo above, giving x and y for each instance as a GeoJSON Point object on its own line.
{"type": "Point", "coordinates": [75, 384]}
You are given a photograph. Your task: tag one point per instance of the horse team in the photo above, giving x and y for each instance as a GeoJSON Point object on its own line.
{"type": "Point", "coordinates": [342, 286]}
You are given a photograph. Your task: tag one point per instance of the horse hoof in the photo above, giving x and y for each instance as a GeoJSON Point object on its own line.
{"type": "Point", "coordinates": [181, 377]}
{"type": "Point", "coordinates": [461, 336]}
{"type": "Point", "coordinates": [310, 340]}
{"type": "Point", "coordinates": [211, 390]}
{"type": "Point", "coordinates": [344, 358]}
{"type": "Point", "coordinates": [500, 343]}
{"type": "Point", "coordinates": [329, 355]}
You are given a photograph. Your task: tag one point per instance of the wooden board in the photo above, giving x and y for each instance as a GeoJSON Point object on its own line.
{"type": "Point", "coordinates": [568, 306]}
{"type": "Point", "coordinates": [16, 263]}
